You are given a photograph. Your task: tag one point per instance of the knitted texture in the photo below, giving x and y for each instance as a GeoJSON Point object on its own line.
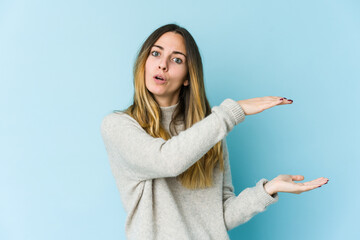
{"type": "Point", "coordinates": [145, 170]}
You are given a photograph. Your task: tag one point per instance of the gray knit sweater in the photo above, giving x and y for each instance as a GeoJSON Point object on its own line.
{"type": "Point", "coordinates": [145, 170]}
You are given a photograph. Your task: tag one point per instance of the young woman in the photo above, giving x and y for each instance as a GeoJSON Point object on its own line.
{"type": "Point", "coordinates": [168, 152]}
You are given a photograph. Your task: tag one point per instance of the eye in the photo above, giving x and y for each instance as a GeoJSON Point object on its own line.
{"type": "Point", "coordinates": [155, 53]}
{"type": "Point", "coordinates": [177, 60]}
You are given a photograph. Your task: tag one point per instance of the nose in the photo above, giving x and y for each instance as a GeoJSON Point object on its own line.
{"type": "Point", "coordinates": [163, 65]}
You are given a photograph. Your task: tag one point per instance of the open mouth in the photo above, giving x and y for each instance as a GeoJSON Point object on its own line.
{"type": "Point", "coordinates": [159, 77]}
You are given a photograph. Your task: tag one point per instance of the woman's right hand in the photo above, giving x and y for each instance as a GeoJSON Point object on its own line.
{"type": "Point", "coordinates": [256, 105]}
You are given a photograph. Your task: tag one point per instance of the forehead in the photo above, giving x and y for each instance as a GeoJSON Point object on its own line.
{"type": "Point", "coordinates": [172, 41]}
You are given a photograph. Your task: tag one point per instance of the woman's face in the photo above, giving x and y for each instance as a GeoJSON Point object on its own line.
{"type": "Point", "coordinates": [166, 68]}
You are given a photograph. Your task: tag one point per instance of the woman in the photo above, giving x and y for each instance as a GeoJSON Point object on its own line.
{"type": "Point", "coordinates": [168, 152]}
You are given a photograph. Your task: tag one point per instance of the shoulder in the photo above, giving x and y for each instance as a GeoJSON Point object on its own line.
{"type": "Point", "coordinates": [117, 116]}
{"type": "Point", "coordinates": [118, 119]}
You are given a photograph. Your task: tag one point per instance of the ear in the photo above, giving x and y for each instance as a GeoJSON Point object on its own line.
{"type": "Point", "coordinates": [186, 83]}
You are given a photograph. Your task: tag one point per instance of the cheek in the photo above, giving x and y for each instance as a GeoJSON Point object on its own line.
{"type": "Point", "coordinates": [148, 70]}
{"type": "Point", "coordinates": [147, 73]}
{"type": "Point", "coordinates": [181, 72]}
{"type": "Point", "coordinates": [147, 66]}
{"type": "Point", "coordinates": [184, 73]}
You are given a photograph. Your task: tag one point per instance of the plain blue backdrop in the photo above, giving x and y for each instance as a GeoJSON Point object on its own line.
{"type": "Point", "coordinates": [64, 65]}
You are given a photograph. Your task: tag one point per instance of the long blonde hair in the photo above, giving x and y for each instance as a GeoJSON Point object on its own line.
{"type": "Point", "coordinates": [193, 106]}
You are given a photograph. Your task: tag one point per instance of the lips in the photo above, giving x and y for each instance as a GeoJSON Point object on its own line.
{"type": "Point", "coordinates": [160, 77]}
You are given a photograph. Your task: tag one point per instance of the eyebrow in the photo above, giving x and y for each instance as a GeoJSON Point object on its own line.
{"type": "Point", "coordinates": [176, 52]}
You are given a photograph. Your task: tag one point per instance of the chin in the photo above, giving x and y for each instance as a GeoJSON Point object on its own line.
{"type": "Point", "coordinates": [155, 92]}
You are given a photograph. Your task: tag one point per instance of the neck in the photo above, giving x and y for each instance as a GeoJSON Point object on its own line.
{"type": "Point", "coordinates": [166, 116]}
{"type": "Point", "coordinates": [167, 101]}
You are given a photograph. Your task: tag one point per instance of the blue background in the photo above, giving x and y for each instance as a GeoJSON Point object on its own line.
{"type": "Point", "coordinates": [64, 65]}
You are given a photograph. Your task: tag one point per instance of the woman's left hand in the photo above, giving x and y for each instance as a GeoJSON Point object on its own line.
{"type": "Point", "coordinates": [285, 183]}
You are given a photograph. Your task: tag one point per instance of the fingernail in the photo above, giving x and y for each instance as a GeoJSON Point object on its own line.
{"type": "Point", "coordinates": [285, 97]}
{"type": "Point", "coordinates": [281, 99]}
{"type": "Point", "coordinates": [290, 100]}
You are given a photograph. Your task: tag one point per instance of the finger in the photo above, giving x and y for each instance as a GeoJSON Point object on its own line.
{"type": "Point", "coordinates": [319, 181]}
{"type": "Point", "coordinates": [297, 177]}
{"type": "Point", "coordinates": [284, 100]}
{"type": "Point", "coordinates": [308, 188]}
{"type": "Point", "coordinates": [274, 101]}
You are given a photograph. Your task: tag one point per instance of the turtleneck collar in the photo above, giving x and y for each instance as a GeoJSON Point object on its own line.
{"type": "Point", "coordinates": [166, 113]}
{"type": "Point", "coordinates": [169, 108]}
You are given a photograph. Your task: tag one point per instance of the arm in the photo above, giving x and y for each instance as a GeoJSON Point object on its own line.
{"type": "Point", "coordinates": [251, 201]}
{"type": "Point", "coordinates": [145, 157]}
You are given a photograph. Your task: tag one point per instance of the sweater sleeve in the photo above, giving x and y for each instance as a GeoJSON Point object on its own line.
{"type": "Point", "coordinates": [144, 157]}
{"type": "Point", "coordinates": [251, 201]}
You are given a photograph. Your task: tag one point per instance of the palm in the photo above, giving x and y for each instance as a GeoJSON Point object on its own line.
{"type": "Point", "coordinates": [285, 183]}
{"type": "Point", "coordinates": [256, 105]}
